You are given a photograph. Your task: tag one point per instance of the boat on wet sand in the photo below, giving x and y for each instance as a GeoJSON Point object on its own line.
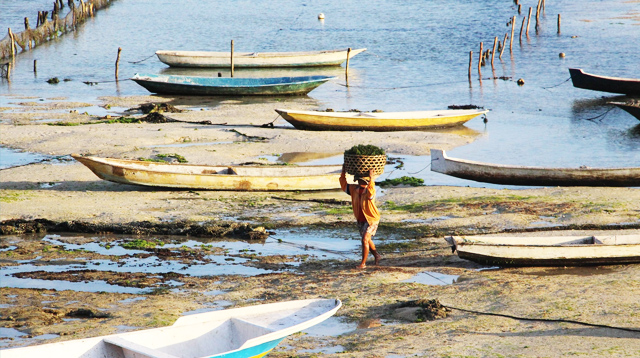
{"type": "Point", "coordinates": [633, 108]}
{"type": "Point", "coordinates": [533, 176]}
{"type": "Point", "coordinates": [229, 86]}
{"type": "Point", "coordinates": [235, 333]}
{"type": "Point", "coordinates": [548, 250]}
{"type": "Point", "coordinates": [209, 177]}
{"type": "Point", "coordinates": [256, 59]}
{"type": "Point", "coordinates": [581, 79]}
{"type": "Point", "coordinates": [378, 121]}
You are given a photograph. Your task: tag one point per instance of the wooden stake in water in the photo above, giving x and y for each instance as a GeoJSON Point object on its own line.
{"type": "Point", "coordinates": [35, 66]}
{"type": "Point", "coordinates": [558, 23]}
{"type": "Point", "coordinates": [528, 22]}
{"type": "Point", "coordinates": [470, 62]}
{"type": "Point", "coordinates": [13, 44]}
{"type": "Point", "coordinates": [522, 27]}
{"type": "Point", "coordinates": [538, 13]}
{"type": "Point", "coordinates": [493, 52]}
{"type": "Point", "coordinates": [231, 58]}
{"type": "Point", "coordinates": [480, 60]}
{"type": "Point", "coordinates": [513, 28]}
{"type": "Point", "coordinates": [504, 44]}
{"type": "Point", "coordinates": [346, 70]}
{"type": "Point", "coordinates": [118, 62]}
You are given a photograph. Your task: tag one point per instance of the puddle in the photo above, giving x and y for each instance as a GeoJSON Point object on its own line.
{"type": "Point", "coordinates": [13, 158]}
{"type": "Point", "coordinates": [4, 305]}
{"type": "Point", "coordinates": [215, 293]}
{"type": "Point", "coordinates": [428, 220]}
{"type": "Point", "coordinates": [211, 258]}
{"type": "Point", "coordinates": [134, 299]}
{"type": "Point", "coordinates": [48, 185]}
{"type": "Point", "coordinates": [331, 327]}
{"type": "Point", "coordinates": [17, 338]}
{"type": "Point", "coordinates": [433, 278]}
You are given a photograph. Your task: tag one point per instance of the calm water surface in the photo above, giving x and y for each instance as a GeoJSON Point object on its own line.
{"type": "Point", "coordinates": [417, 59]}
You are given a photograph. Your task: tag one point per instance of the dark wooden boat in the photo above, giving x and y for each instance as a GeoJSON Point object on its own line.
{"type": "Point", "coordinates": [632, 107]}
{"type": "Point", "coordinates": [533, 176]}
{"type": "Point", "coordinates": [229, 86]}
{"type": "Point", "coordinates": [581, 79]}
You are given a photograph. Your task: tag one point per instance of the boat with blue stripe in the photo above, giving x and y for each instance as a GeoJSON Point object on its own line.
{"type": "Point", "coordinates": [229, 86]}
{"type": "Point", "coordinates": [247, 332]}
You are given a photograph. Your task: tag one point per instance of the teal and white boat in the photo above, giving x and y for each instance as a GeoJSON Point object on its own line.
{"type": "Point", "coordinates": [247, 332]}
{"type": "Point", "coordinates": [229, 86]}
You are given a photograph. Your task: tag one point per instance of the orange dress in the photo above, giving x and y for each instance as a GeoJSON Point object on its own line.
{"type": "Point", "coordinates": [362, 200]}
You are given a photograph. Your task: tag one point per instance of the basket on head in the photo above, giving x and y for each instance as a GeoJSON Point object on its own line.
{"type": "Point", "coordinates": [359, 165]}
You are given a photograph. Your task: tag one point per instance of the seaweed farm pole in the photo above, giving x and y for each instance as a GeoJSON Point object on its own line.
{"type": "Point", "coordinates": [504, 44]}
{"type": "Point", "coordinates": [118, 62]}
{"type": "Point", "coordinates": [480, 61]}
{"type": "Point", "coordinates": [558, 23]}
{"type": "Point", "coordinates": [538, 14]}
{"type": "Point", "coordinates": [528, 22]}
{"type": "Point", "coordinates": [493, 52]}
{"type": "Point", "coordinates": [470, 63]}
{"type": "Point", "coordinates": [35, 66]}
{"type": "Point", "coordinates": [231, 58]}
{"type": "Point", "coordinates": [13, 44]}
{"type": "Point", "coordinates": [346, 70]}
{"type": "Point", "coordinates": [513, 28]}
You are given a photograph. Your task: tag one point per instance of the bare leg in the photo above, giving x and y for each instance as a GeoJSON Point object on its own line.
{"type": "Point", "coordinates": [372, 248]}
{"type": "Point", "coordinates": [365, 250]}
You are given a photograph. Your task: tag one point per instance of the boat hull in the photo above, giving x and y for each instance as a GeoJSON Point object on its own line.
{"type": "Point", "coordinates": [377, 121]}
{"type": "Point", "coordinates": [236, 333]}
{"type": "Point", "coordinates": [237, 178]}
{"type": "Point", "coordinates": [230, 86]}
{"type": "Point", "coordinates": [255, 59]}
{"type": "Point", "coordinates": [581, 79]}
{"type": "Point", "coordinates": [541, 251]}
{"type": "Point", "coordinates": [533, 176]}
{"type": "Point", "coordinates": [632, 109]}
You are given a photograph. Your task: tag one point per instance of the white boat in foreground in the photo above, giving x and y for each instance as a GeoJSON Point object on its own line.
{"type": "Point", "coordinates": [255, 59]}
{"type": "Point", "coordinates": [548, 250]}
{"type": "Point", "coordinates": [235, 333]}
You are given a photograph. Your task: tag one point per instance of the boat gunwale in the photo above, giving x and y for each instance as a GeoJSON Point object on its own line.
{"type": "Point", "coordinates": [257, 55]}
{"type": "Point", "coordinates": [621, 79]}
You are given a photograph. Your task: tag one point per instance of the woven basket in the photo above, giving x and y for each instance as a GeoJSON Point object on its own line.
{"type": "Point", "coordinates": [359, 165]}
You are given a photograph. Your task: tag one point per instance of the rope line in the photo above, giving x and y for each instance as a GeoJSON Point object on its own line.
{"type": "Point", "coordinates": [556, 320]}
{"type": "Point", "coordinates": [403, 87]}
{"type": "Point", "coordinates": [600, 115]}
{"type": "Point", "coordinates": [558, 84]}
{"type": "Point", "coordinates": [144, 59]}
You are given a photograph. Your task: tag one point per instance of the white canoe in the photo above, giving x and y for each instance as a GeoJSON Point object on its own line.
{"type": "Point", "coordinates": [236, 333]}
{"type": "Point", "coordinates": [207, 177]}
{"type": "Point", "coordinates": [378, 121]}
{"type": "Point", "coordinates": [537, 176]}
{"type": "Point", "coordinates": [548, 250]}
{"type": "Point", "coordinates": [255, 59]}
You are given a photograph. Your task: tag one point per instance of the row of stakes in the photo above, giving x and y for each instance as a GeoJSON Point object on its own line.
{"type": "Point", "coordinates": [484, 55]}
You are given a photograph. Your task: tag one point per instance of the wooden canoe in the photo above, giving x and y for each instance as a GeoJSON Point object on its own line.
{"type": "Point", "coordinates": [533, 176]}
{"type": "Point", "coordinates": [377, 121]}
{"type": "Point", "coordinates": [548, 251]}
{"type": "Point", "coordinates": [633, 108]}
{"type": "Point", "coordinates": [229, 86]}
{"type": "Point", "coordinates": [206, 177]}
{"type": "Point", "coordinates": [235, 333]}
{"type": "Point", "coordinates": [255, 59]}
{"type": "Point", "coordinates": [581, 79]}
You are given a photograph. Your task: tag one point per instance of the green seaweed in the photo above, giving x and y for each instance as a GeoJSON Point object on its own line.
{"type": "Point", "coordinates": [362, 149]}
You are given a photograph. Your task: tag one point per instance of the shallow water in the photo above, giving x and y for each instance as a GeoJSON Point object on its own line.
{"type": "Point", "coordinates": [417, 58]}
